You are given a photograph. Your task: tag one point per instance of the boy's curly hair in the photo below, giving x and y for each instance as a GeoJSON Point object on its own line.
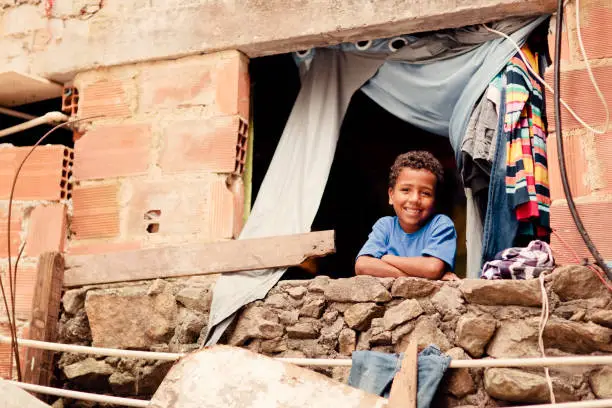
{"type": "Point", "coordinates": [417, 160]}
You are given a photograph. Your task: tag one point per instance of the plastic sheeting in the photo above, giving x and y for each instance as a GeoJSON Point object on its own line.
{"type": "Point", "coordinates": [437, 96]}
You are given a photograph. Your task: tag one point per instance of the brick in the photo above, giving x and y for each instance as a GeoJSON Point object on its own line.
{"type": "Point", "coordinates": [178, 207]}
{"type": "Point", "coordinates": [200, 145]}
{"type": "Point", "coordinates": [6, 358]}
{"type": "Point", "coordinates": [566, 52]}
{"type": "Point", "coordinates": [221, 210]}
{"type": "Point", "coordinates": [233, 86]}
{"type": "Point", "coordinates": [16, 229]}
{"type": "Point", "coordinates": [112, 151]}
{"type": "Point", "coordinates": [95, 211]}
{"type": "Point", "coordinates": [596, 28]}
{"type": "Point", "coordinates": [218, 81]}
{"type": "Point", "coordinates": [575, 163]}
{"type": "Point", "coordinates": [603, 155]}
{"type": "Point", "coordinates": [107, 97]}
{"type": "Point", "coordinates": [46, 229]}
{"type": "Point", "coordinates": [577, 91]}
{"type": "Point", "coordinates": [90, 248]}
{"type": "Point", "coordinates": [563, 224]}
{"type": "Point", "coordinates": [26, 282]}
{"type": "Point", "coordinates": [40, 176]}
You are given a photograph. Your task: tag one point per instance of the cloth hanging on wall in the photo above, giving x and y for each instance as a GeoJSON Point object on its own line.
{"type": "Point", "coordinates": [431, 95]}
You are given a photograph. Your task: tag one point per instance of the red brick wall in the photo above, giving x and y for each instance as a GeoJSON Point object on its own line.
{"type": "Point", "coordinates": [38, 223]}
{"type": "Point", "coordinates": [153, 170]}
{"type": "Point", "coordinates": [587, 155]}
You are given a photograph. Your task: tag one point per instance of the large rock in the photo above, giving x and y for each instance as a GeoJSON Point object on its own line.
{"type": "Point", "coordinates": [474, 333]}
{"type": "Point", "coordinates": [458, 381]}
{"type": "Point", "coordinates": [360, 316]}
{"type": "Point", "coordinates": [122, 383]}
{"type": "Point", "coordinates": [448, 301]}
{"type": "Point", "coordinates": [575, 337]}
{"type": "Point", "coordinates": [425, 332]}
{"type": "Point", "coordinates": [358, 289]}
{"type": "Point", "coordinates": [75, 330]}
{"type": "Point", "coordinates": [515, 339]}
{"type": "Point", "coordinates": [255, 323]}
{"type": "Point", "coordinates": [502, 292]}
{"type": "Point", "coordinates": [513, 385]}
{"type": "Point", "coordinates": [602, 317]}
{"type": "Point", "coordinates": [577, 282]}
{"type": "Point", "coordinates": [252, 381]}
{"type": "Point", "coordinates": [74, 300]}
{"type": "Point", "coordinates": [303, 330]}
{"type": "Point", "coordinates": [413, 287]}
{"type": "Point", "coordinates": [129, 318]}
{"type": "Point", "coordinates": [407, 310]}
{"type": "Point", "coordinates": [313, 307]}
{"type": "Point", "coordinates": [89, 372]}
{"type": "Point", "coordinates": [601, 382]}
{"type": "Point", "coordinates": [189, 327]}
{"type": "Point", "coordinates": [195, 298]}
{"type": "Point", "coordinates": [15, 397]}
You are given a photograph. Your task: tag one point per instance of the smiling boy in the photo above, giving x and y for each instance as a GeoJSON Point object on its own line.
{"type": "Point", "coordinates": [416, 242]}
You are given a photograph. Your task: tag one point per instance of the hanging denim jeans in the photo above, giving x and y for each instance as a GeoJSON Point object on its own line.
{"type": "Point", "coordinates": [373, 372]}
{"type": "Point", "coordinates": [500, 225]}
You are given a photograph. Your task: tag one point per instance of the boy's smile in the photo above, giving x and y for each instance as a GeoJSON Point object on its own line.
{"type": "Point", "coordinates": [413, 198]}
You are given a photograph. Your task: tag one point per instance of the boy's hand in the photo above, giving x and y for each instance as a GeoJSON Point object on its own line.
{"type": "Point", "coordinates": [449, 276]}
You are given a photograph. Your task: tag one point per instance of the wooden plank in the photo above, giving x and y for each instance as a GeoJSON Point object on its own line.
{"type": "Point", "coordinates": [17, 88]}
{"type": "Point", "coordinates": [197, 259]}
{"type": "Point", "coordinates": [404, 388]}
{"type": "Point", "coordinates": [45, 315]}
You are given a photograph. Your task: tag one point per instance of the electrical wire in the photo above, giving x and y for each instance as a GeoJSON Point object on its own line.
{"type": "Point", "coordinates": [543, 320]}
{"type": "Point", "coordinates": [12, 274]}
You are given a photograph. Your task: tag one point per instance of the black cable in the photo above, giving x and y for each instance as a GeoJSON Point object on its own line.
{"type": "Point", "coordinates": [566, 188]}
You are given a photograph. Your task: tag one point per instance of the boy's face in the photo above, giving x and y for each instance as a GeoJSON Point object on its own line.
{"type": "Point", "coordinates": [413, 198]}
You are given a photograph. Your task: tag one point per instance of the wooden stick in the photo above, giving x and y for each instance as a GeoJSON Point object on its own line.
{"type": "Point", "coordinates": [197, 259]}
{"type": "Point", "coordinates": [85, 396]}
{"type": "Point", "coordinates": [404, 387]}
{"type": "Point", "coordinates": [318, 362]}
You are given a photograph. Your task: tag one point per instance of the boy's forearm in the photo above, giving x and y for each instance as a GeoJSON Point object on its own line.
{"type": "Point", "coordinates": [367, 265]}
{"type": "Point", "coordinates": [418, 266]}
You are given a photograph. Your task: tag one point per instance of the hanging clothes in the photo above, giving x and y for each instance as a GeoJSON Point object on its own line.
{"type": "Point", "coordinates": [520, 263]}
{"type": "Point", "coordinates": [525, 131]}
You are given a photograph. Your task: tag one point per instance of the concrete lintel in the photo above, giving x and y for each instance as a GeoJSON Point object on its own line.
{"type": "Point", "coordinates": [258, 28]}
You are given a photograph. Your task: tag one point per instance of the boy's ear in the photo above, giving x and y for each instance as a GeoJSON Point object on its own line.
{"type": "Point", "coordinates": [390, 191]}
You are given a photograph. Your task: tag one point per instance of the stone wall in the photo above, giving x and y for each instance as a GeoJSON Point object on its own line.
{"type": "Point", "coordinates": [331, 318]}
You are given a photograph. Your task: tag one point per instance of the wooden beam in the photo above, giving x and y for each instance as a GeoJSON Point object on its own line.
{"type": "Point", "coordinates": [197, 259]}
{"type": "Point", "coordinates": [404, 388]}
{"type": "Point", "coordinates": [45, 315]}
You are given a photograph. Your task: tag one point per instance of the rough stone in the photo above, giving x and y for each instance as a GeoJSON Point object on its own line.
{"type": "Point", "coordinates": [502, 292]}
{"type": "Point", "coordinates": [122, 383]}
{"type": "Point", "coordinates": [190, 325]}
{"type": "Point", "coordinates": [358, 289]}
{"type": "Point", "coordinates": [195, 298]}
{"type": "Point", "coordinates": [387, 282]}
{"type": "Point", "coordinates": [413, 287]}
{"type": "Point", "coordinates": [474, 333]}
{"type": "Point", "coordinates": [75, 330]}
{"type": "Point", "coordinates": [407, 310]}
{"type": "Point", "coordinates": [458, 381]}
{"type": "Point", "coordinates": [67, 359]}
{"type": "Point", "coordinates": [515, 339]}
{"type": "Point", "coordinates": [318, 284]}
{"type": "Point", "coordinates": [150, 377]}
{"type": "Point", "coordinates": [574, 337]}
{"type": "Point", "coordinates": [449, 301]}
{"type": "Point", "coordinates": [577, 282]}
{"type": "Point", "coordinates": [129, 318]}
{"type": "Point", "coordinates": [601, 382]}
{"type": "Point", "coordinates": [333, 331]}
{"type": "Point", "coordinates": [425, 332]}
{"type": "Point", "coordinates": [330, 316]}
{"type": "Point", "coordinates": [400, 331]}
{"type": "Point", "coordinates": [255, 323]}
{"type": "Point", "coordinates": [340, 307]}
{"type": "Point", "coordinates": [281, 301]}
{"type": "Point", "coordinates": [273, 345]}
{"type": "Point", "coordinates": [380, 337]}
{"type": "Point", "coordinates": [289, 317]}
{"type": "Point", "coordinates": [360, 315]}
{"type": "Point", "coordinates": [364, 340]}
{"type": "Point", "coordinates": [297, 292]}
{"type": "Point", "coordinates": [513, 385]}
{"type": "Point", "coordinates": [90, 372]}
{"type": "Point", "coordinates": [74, 300]}
{"type": "Point", "coordinates": [313, 307]}
{"type": "Point", "coordinates": [158, 286]}
{"type": "Point", "coordinates": [347, 342]}
{"type": "Point", "coordinates": [601, 317]}
{"type": "Point", "coordinates": [303, 330]}
{"type": "Point", "coordinates": [311, 348]}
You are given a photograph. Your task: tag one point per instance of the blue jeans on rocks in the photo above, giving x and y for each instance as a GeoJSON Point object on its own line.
{"type": "Point", "coordinates": [373, 372]}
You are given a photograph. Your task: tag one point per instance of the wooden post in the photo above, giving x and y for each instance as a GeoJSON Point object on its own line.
{"type": "Point", "coordinates": [404, 388]}
{"type": "Point", "coordinates": [45, 316]}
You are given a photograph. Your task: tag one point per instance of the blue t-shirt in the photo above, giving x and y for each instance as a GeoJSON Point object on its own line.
{"type": "Point", "coordinates": [437, 238]}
